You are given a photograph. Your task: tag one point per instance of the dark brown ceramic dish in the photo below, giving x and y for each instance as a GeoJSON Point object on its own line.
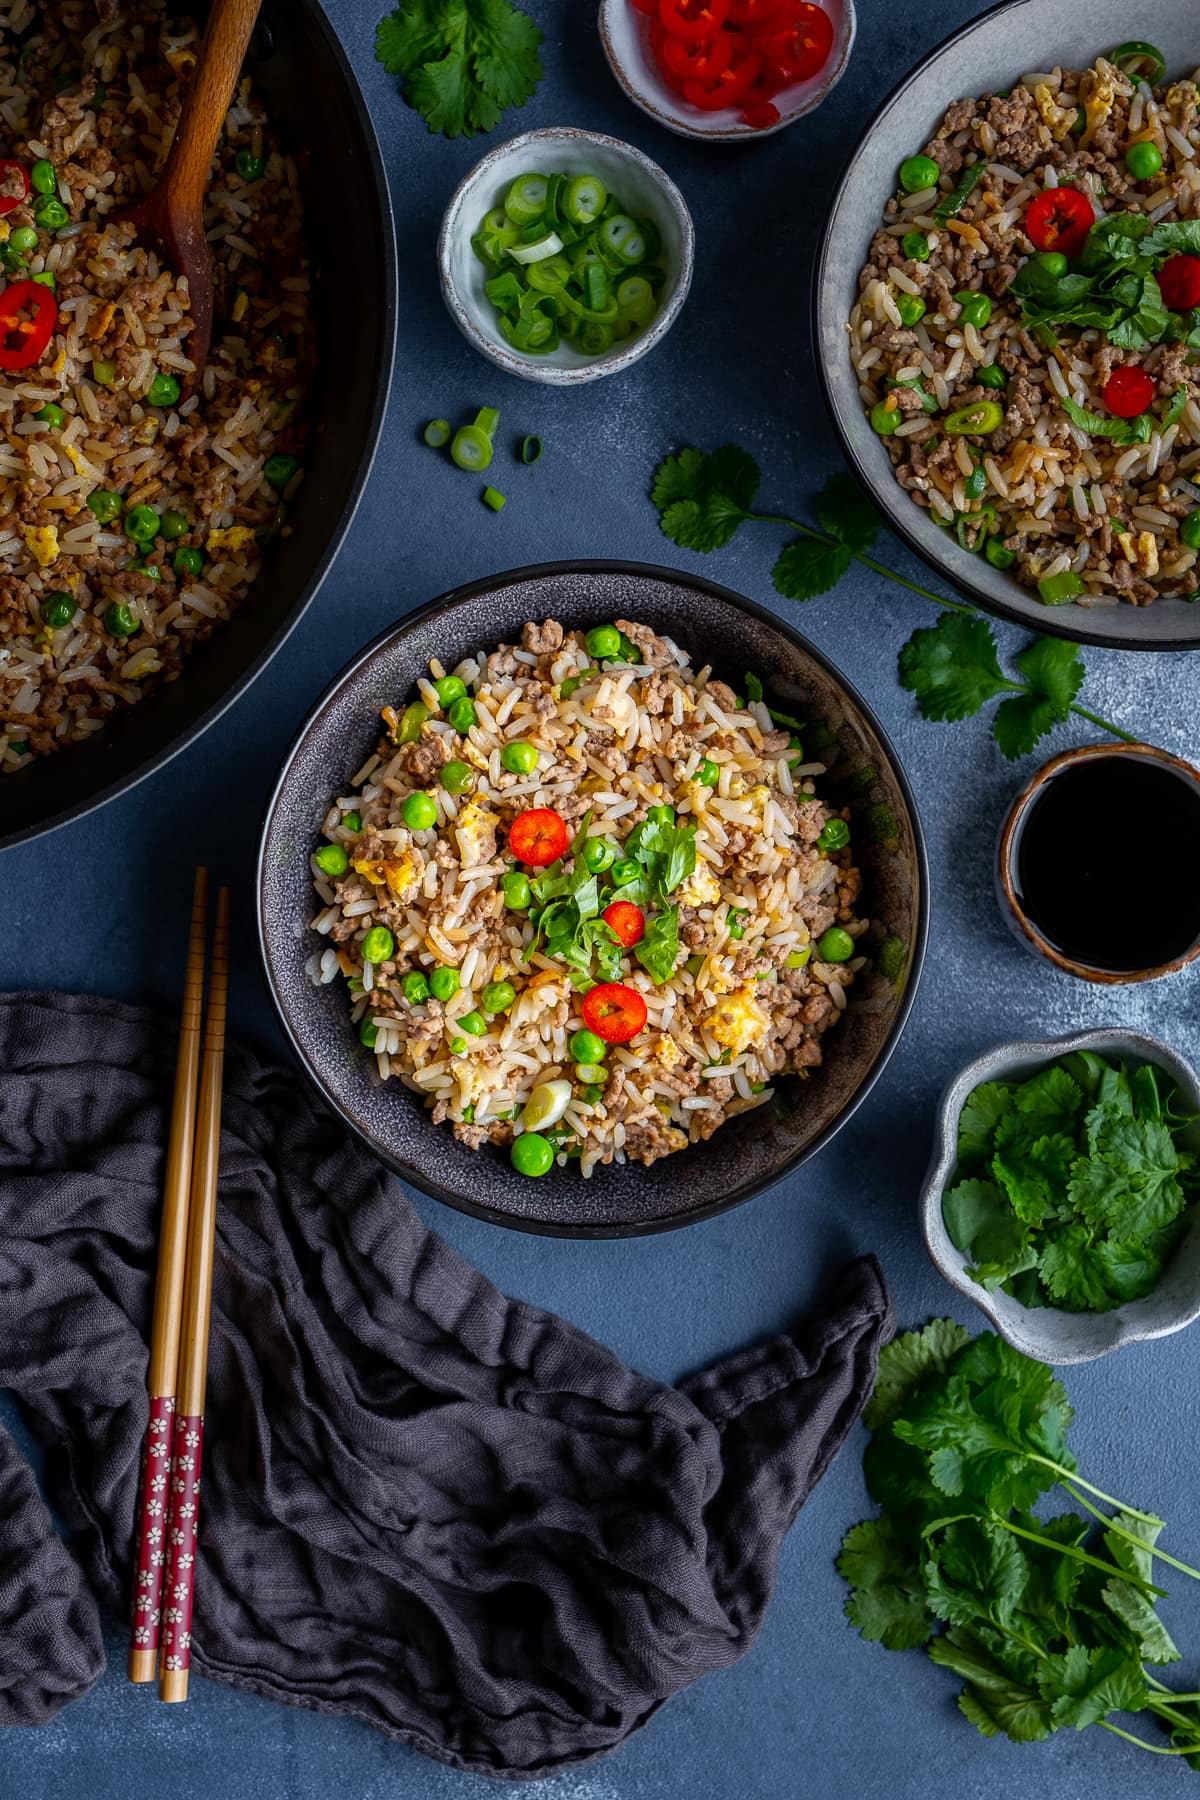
{"type": "Point", "coordinates": [747, 1154]}
{"type": "Point", "coordinates": [1013, 902]}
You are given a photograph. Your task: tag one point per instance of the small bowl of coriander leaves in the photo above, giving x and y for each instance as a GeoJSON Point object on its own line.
{"type": "Point", "coordinates": [1062, 1193]}
{"type": "Point", "coordinates": [565, 255]}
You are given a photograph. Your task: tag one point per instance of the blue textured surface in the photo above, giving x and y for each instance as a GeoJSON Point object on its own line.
{"type": "Point", "coordinates": [813, 1713]}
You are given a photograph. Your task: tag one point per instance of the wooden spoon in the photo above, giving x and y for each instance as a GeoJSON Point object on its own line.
{"type": "Point", "coordinates": [170, 219]}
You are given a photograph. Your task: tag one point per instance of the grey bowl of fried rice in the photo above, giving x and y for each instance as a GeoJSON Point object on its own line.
{"type": "Point", "coordinates": [767, 836]}
{"type": "Point", "coordinates": [1067, 507]}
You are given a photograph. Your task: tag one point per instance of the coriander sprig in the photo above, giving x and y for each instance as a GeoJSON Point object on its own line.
{"type": "Point", "coordinates": [951, 668]}
{"type": "Point", "coordinates": [462, 63]}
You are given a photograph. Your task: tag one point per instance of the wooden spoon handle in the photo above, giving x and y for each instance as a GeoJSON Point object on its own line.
{"type": "Point", "coordinates": [185, 176]}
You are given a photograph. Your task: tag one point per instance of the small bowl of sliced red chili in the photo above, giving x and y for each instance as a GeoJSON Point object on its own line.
{"type": "Point", "coordinates": [726, 70]}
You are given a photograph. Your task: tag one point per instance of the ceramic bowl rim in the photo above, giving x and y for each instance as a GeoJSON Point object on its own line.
{"type": "Point", "coordinates": [988, 1066]}
{"type": "Point", "coordinates": [1005, 855]}
{"type": "Point", "coordinates": [1052, 625]}
{"type": "Point", "coordinates": [464, 595]}
{"type": "Point", "coordinates": [730, 134]}
{"type": "Point", "coordinates": [620, 357]}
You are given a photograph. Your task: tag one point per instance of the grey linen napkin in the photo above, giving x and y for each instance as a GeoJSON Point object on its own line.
{"type": "Point", "coordinates": [427, 1506]}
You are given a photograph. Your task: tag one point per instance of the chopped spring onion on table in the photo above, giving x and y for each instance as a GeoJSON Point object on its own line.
{"type": "Point", "coordinates": [531, 449]}
{"type": "Point", "coordinates": [437, 433]}
{"type": "Point", "coordinates": [495, 499]}
{"type": "Point", "coordinates": [472, 444]}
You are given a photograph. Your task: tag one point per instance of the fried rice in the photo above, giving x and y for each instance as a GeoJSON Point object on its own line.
{"type": "Point", "coordinates": [1054, 499]}
{"type": "Point", "coordinates": [95, 89]}
{"type": "Point", "coordinates": [743, 1001]}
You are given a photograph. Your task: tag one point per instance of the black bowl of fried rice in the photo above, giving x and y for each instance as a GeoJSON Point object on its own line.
{"type": "Point", "coordinates": [162, 529]}
{"type": "Point", "coordinates": [712, 767]}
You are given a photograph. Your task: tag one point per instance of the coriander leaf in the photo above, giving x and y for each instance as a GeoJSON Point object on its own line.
{"type": "Point", "coordinates": [1002, 1693]}
{"type": "Point", "coordinates": [983, 1111]}
{"type": "Point", "coordinates": [754, 687]}
{"type": "Point", "coordinates": [1034, 1181]}
{"type": "Point", "coordinates": [1121, 431]}
{"type": "Point", "coordinates": [703, 499]}
{"type": "Point", "coordinates": [1086, 1685]}
{"type": "Point", "coordinates": [1054, 667]}
{"type": "Point", "coordinates": [448, 98]}
{"type": "Point", "coordinates": [733, 472]}
{"type": "Point", "coordinates": [462, 62]}
{"type": "Point", "coordinates": [888, 1602]}
{"type": "Point", "coordinates": [679, 477]}
{"type": "Point", "coordinates": [846, 514]}
{"type": "Point", "coordinates": [982, 1225]}
{"type": "Point", "coordinates": [1133, 1266]}
{"type": "Point", "coordinates": [1132, 1557]}
{"type": "Point", "coordinates": [1073, 1273]}
{"type": "Point", "coordinates": [976, 1571]}
{"type": "Point", "coordinates": [1135, 1609]}
{"type": "Point", "coordinates": [410, 36]}
{"type": "Point", "coordinates": [907, 1362]}
{"type": "Point", "coordinates": [694, 526]}
{"type": "Point", "coordinates": [1167, 238]}
{"type": "Point", "coordinates": [679, 851]}
{"type": "Point", "coordinates": [1050, 1100]}
{"type": "Point", "coordinates": [507, 63]}
{"type": "Point", "coordinates": [952, 667]}
{"type": "Point", "coordinates": [810, 567]}
{"type": "Point", "coordinates": [1022, 722]}
{"type": "Point", "coordinates": [1129, 1184]}
{"type": "Point", "coordinates": [658, 949]}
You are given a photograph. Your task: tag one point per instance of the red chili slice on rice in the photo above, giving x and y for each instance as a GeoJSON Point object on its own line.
{"type": "Point", "coordinates": [614, 1012]}
{"type": "Point", "coordinates": [538, 837]}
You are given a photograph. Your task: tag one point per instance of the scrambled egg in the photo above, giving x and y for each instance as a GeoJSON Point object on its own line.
{"type": "Point", "coordinates": [476, 834]}
{"type": "Point", "coordinates": [737, 1020]}
{"type": "Point", "coordinates": [400, 873]}
{"type": "Point", "coordinates": [700, 888]}
{"type": "Point", "coordinates": [43, 544]}
{"type": "Point", "coordinates": [233, 537]}
{"type": "Point", "coordinates": [1142, 551]}
{"type": "Point", "coordinates": [1058, 118]}
{"type": "Point", "coordinates": [667, 1052]}
{"type": "Point", "coordinates": [1097, 93]}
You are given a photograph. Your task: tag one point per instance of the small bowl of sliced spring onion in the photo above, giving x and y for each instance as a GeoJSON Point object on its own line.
{"type": "Point", "coordinates": [565, 255]}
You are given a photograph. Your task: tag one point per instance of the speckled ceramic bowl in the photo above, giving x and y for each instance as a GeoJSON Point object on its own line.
{"type": "Point", "coordinates": [992, 51]}
{"type": "Point", "coordinates": [643, 187]}
{"type": "Point", "coordinates": [1045, 1332]}
{"type": "Point", "coordinates": [625, 36]}
{"type": "Point", "coordinates": [750, 1152]}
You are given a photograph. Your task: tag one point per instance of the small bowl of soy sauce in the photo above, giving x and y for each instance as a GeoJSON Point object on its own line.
{"type": "Point", "coordinates": [1071, 881]}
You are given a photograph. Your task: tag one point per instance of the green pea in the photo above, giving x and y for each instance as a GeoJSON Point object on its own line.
{"type": "Point", "coordinates": [43, 178]}
{"type": "Point", "coordinates": [915, 246]}
{"type": "Point", "coordinates": [991, 376]}
{"type": "Point", "coordinates": [591, 1074]}
{"type": "Point", "coordinates": [415, 988]}
{"type": "Point", "coordinates": [1189, 531]}
{"type": "Point", "coordinates": [279, 470]}
{"type": "Point", "coordinates": [1143, 161]}
{"type": "Point", "coordinates": [141, 524]}
{"type": "Point", "coordinates": [51, 214]}
{"type": "Point", "coordinates": [120, 620]}
{"type": "Point", "coordinates": [531, 1154]}
{"type": "Point", "coordinates": [835, 945]}
{"type": "Point", "coordinates": [515, 888]}
{"type": "Point", "coordinates": [164, 391]}
{"type": "Point", "coordinates": [332, 859]}
{"type": "Point", "coordinates": [352, 821]}
{"type": "Point", "coordinates": [586, 1047]}
{"type": "Point", "coordinates": [187, 560]}
{"type": "Point", "coordinates": [629, 650]}
{"type": "Point", "coordinates": [498, 996]}
{"type": "Point", "coordinates": [911, 308]}
{"type": "Point", "coordinates": [884, 417]}
{"type": "Point", "coordinates": [368, 1031]}
{"type": "Point", "coordinates": [736, 928]}
{"type": "Point", "coordinates": [1052, 261]}
{"type": "Point", "coordinates": [420, 812]}
{"type": "Point", "coordinates": [625, 871]}
{"type": "Point", "coordinates": [23, 238]}
{"type": "Point", "coordinates": [598, 855]}
{"type": "Point", "coordinates": [449, 689]}
{"type": "Point", "coordinates": [172, 524]}
{"type": "Point", "coordinates": [51, 415]}
{"type": "Point", "coordinates": [918, 173]}
{"type": "Point", "coordinates": [57, 610]}
{"type": "Point", "coordinates": [457, 1046]}
{"type": "Point", "coordinates": [975, 309]}
{"type": "Point", "coordinates": [1057, 590]}
{"type": "Point", "coordinates": [443, 983]}
{"type": "Point", "coordinates": [457, 777]}
{"type": "Point", "coordinates": [462, 715]}
{"type": "Point", "coordinates": [249, 166]}
{"type": "Point", "coordinates": [411, 721]}
{"type": "Point", "coordinates": [835, 835]}
{"type": "Point", "coordinates": [998, 555]}
{"type": "Point", "coordinates": [604, 642]}
{"type": "Point", "coordinates": [708, 774]}
{"type": "Point", "coordinates": [104, 504]}
{"type": "Point", "coordinates": [661, 815]}
{"type": "Point", "coordinates": [474, 1022]}
{"type": "Point", "coordinates": [798, 958]}
{"type": "Point", "coordinates": [519, 757]}
{"type": "Point", "coordinates": [378, 944]}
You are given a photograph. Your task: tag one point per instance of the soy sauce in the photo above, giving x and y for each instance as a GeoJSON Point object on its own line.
{"type": "Point", "coordinates": [1108, 863]}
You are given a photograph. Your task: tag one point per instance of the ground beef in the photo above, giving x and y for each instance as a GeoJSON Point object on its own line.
{"type": "Point", "coordinates": [647, 1139]}
{"type": "Point", "coordinates": [1021, 137]}
{"type": "Point", "coordinates": [722, 696]}
{"type": "Point", "coordinates": [654, 652]}
{"type": "Point", "coordinates": [542, 639]}
{"type": "Point", "coordinates": [423, 759]}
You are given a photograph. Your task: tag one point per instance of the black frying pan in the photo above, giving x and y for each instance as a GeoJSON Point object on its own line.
{"type": "Point", "coordinates": [300, 65]}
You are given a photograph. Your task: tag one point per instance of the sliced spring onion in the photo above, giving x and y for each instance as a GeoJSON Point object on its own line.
{"type": "Point", "coordinates": [635, 298]}
{"type": "Point", "coordinates": [585, 199]}
{"type": "Point", "coordinates": [437, 433]}
{"type": "Point", "coordinates": [495, 499]}
{"type": "Point", "coordinates": [525, 200]}
{"type": "Point", "coordinates": [487, 420]}
{"type": "Point", "coordinates": [1143, 61]}
{"type": "Point", "coordinates": [471, 449]}
{"type": "Point", "coordinates": [531, 449]}
{"type": "Point", "coordinates": [549, 245]}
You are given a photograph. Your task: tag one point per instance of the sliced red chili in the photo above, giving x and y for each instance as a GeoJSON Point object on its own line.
{"type": "Point", "coordinates": [759, 117]}
{"type": "Point", "coordinates": [813, 39]}
{"type": "Point", "coordinates": [14, 184]}
{"type": "Point", "coordinates": [538, 837]}
{"type": "Point", "coordinates": [698, 59]}
{"type": "Point", "coordinates": [660, 37]}
{"type": "Point", "coordinates": [1179, 282]}
{"type": "Point", "coordinates": [693, 19]}
{"type": "Point", "coordinates": [1127, 392]}
{"type": "Point", "coordinates": [28, 315]}
{"type": "Point", "coordinates": [614, 1012]}
{"type": "Point", "coordinates": [647, 6]}
{"type": "Point", "coordinates": [626, 921]}
{"type": "Point", "coordinates": [1060, 219]}
{"type": "Point", "coordinates": [761, 15]}
{"type": "Point", "coordinates": [730, 88]}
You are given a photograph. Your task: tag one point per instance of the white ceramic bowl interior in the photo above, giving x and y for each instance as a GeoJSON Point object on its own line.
{"type": "Point", "coordinates": [991, 52]}
{"type": "Point", "coordinates": [625, 35]}
{"type": "Point", "coordinates": [643, 188]}
{"type": "Point", "coordinates": [1044, 1332]}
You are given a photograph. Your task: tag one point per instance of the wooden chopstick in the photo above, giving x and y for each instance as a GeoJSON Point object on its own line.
{"type": "Point", "coordinates": [180, 1579]}
{"type": "Point", "coordinates": [168, 1300]}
